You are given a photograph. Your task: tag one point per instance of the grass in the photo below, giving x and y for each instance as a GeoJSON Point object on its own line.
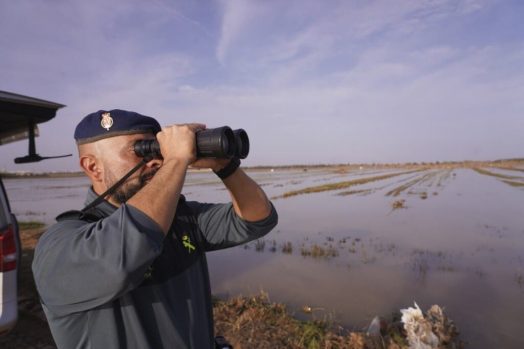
{"type": "Point", "coordinates": [352, 192]}
{"type": "Point", "coordinates": [339, 185]}
{"type": "Point", "coordinates": [511, 169]}
{"type": "Point", "coordinates": [514, 184]}
{"type": "Point", "coordinates": [260, 245]}
{"type": "Point", "coordinates": [493, 174]}
{"type": "Point", "coordinates": [287, 248]}
{"type": "Point", "coordinates": [317, 251]}
{"type": "Point", "coordinates": [255, 322]}
{"type": "Point", "coordinates": [23, 225]}
{"type": "Point", "coordinates": [504, 178]}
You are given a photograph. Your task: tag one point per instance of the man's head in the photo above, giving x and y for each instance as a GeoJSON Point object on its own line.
{"type": "Point", "coordinates": [105, 142]}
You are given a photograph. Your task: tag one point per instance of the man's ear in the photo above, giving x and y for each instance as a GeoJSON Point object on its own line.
{"type": "Point", "coordinates": [92, 167]}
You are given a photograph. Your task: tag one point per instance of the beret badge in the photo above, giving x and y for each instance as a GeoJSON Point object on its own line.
{"type": "Point", "coordinates": [107, 121]}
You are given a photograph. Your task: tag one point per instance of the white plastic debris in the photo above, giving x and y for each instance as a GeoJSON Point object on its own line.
{"type": "Point", "coordinates": [374, 327]}
{"type": "Point", "coordinates": [418, 329]}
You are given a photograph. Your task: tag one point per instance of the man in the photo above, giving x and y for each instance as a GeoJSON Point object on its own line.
{"type": "Point", "coordinates": [131, 272]}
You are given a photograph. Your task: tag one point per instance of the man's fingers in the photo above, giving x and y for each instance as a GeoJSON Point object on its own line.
{"type": "Point", "coordinates": [196, 127]}
{"type": "Point", "coordinates": [192, 126]}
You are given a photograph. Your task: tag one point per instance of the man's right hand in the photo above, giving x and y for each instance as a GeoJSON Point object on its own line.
{"type": "Point", "coordinates": [178, 142]}
{"type": "Point", "coordinates": [159, 199]}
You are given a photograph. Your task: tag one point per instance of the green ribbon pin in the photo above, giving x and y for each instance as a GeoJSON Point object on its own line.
{"type": "Point", "coordinates": [187, 243]}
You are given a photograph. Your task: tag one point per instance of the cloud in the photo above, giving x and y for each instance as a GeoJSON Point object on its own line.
{"type": "Point", "coordinates": [236, 15]}
{"type": "Point", "coordinates": [301, 76]}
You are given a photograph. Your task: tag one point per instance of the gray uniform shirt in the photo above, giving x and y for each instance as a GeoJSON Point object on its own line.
{"type": "Point", "coordinates": [119, 283]}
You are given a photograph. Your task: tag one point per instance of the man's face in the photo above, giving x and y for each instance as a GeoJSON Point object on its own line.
{"type": "Point", "coordinates": [120, 159]}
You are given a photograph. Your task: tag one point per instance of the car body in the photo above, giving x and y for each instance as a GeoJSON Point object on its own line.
{"type": "Point", "coordinates": [19, 117]}
{"type": "Point", "coordinates": [10, 252]}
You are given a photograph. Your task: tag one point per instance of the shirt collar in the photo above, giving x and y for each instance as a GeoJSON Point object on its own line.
{"type": "Point", "coordinates": [105, 206]}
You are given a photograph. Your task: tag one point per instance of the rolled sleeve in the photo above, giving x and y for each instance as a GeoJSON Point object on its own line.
{"type": "Point", "coordinates": [221, 227]}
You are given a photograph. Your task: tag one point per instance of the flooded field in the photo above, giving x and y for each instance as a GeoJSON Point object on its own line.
{"type": "Point", "coordinates": [355, 243]}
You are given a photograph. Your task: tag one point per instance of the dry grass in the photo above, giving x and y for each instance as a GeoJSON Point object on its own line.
{"type": "Point", "coordinates": [255, 322]}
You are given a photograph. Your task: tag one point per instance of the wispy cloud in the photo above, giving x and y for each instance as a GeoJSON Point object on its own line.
{"type": "Point", "coordinates": [236, 15]}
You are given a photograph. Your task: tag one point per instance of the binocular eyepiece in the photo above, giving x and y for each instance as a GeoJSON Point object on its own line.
{"type": "Point", "coordinates": [221, 142]}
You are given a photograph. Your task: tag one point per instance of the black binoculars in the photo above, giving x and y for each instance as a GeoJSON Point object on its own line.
{"type": "Point", "coordinates": [221, 142]}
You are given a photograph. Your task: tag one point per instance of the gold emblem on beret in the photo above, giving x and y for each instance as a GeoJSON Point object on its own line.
{"type": "Point", "coordinates": [107, 121]}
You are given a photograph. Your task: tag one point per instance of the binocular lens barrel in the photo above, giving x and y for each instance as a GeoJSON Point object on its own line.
{"type": "Point", "coordinates": [242, 143]}
{"type": "Point", "coordinates": [215, 143]}
{"type": "Point", "coordinates": [221, 142]}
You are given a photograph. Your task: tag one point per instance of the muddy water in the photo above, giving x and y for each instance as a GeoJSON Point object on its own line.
{"type": "Point", "coordinates": [458, 243]}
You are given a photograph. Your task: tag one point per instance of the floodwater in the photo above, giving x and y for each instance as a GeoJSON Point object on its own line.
{"type": "Point", "coordinates": [457, 242]}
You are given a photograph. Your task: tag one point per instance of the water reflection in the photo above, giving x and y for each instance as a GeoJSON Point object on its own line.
{"type": "Point", "coordinates": [459, 243]}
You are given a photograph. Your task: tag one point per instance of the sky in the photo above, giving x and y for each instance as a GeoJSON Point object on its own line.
{"type": "Point", "coordinates": [355, 81]}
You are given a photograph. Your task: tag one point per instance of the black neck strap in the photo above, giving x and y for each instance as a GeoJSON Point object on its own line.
{"type": "Point", "coordinates": [112, 189]}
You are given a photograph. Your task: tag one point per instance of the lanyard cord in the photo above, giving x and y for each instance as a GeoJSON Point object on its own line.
{"type": "Point", "coordinates": [112, 189]}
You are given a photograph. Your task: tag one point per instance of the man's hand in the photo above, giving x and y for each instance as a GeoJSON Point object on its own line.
{"type": "Point", "coordinates": [178, 142]}
{"type": "Point", "coordinates": [159, 198]}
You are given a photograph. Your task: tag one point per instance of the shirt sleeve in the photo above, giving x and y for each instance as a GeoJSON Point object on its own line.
{"type": "Point", "coordinates": [79, 266]}
{"type": "Point", "coordinates": [221, 227]}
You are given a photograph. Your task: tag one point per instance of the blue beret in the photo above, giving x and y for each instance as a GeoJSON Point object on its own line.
{"type": "Point", "coordinates": [116, 122]}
